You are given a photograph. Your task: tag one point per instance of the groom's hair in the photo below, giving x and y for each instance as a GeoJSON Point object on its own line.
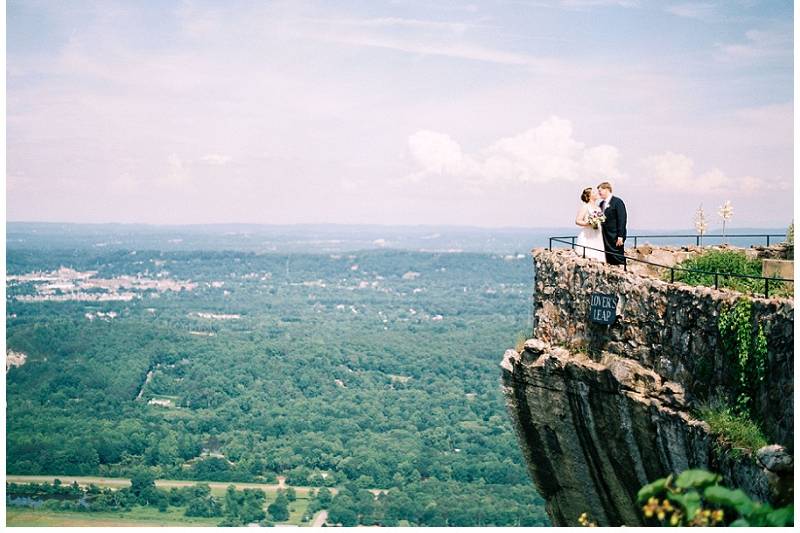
{"type": "Point", "coordinates": [605, 185]}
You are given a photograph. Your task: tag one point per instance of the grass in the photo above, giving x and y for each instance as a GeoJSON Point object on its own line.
{"type": "Point", "coordinates": [297, 509]}
{"type": "Point", "coordinates": [217, 487]}
{"type": "Point", "coordinates": [730, 262]}
{"type": "Point", "coordinates": [734, 430]}
{"type": "Point", "coordinates": [145, 516]}
{"type": "Point", "coordinates": [138, 516]}
{"type": "Point", "coordinates": [102, 482]}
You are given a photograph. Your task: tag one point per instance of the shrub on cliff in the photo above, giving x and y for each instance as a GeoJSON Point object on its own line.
{"type": "Point", "coordinates": [729, 262]}
{"type": "Point", "coordinates": [695, 498]}
{"type": "Point", "coordinates": [734, 430]}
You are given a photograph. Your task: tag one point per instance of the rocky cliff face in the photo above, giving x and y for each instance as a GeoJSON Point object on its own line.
{"type": "Point", "coordinates": [602, 410]}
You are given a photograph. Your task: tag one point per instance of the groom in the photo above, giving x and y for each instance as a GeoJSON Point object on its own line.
{"type": "Point", "coordinates": [614, 228]}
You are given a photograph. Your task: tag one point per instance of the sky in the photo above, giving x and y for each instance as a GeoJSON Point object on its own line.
{"type": "Point", "coordinates": [400, 112]}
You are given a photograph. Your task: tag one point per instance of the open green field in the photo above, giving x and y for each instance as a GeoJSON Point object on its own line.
{"type": "Point", "coordinates": [142, 516]}
{"type": "Point", "coordinates": [297, 509]}
{"type": "Point", "coordinates": [139, 516]}
{"type": "Point", "coordinates": [218, 488]}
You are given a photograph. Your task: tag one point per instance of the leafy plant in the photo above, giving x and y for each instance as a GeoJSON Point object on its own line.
{"type": "Point", "coordinates": [696, 498]}
{"type": "Point", "coordinates": [745, 351]}
{"type": "Point", "coordinates": [729, 262]}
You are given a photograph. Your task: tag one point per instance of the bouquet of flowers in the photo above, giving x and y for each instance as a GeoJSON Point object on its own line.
{"type": "Point", "coordinates": [596, 218]}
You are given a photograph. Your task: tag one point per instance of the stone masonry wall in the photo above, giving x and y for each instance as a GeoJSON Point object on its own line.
{"type": "Point", "coordinates": [668, 328]}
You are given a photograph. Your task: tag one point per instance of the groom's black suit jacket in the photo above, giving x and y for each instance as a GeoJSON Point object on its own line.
{"type": "Point", "coordinates": [615, 226]}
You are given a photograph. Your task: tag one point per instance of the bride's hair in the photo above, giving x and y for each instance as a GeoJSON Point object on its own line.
{"type": "Point", "coordinates": [586, 195]}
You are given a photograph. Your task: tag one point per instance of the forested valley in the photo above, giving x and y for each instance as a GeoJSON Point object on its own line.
{"type": "Point", "coordinates": [358, 370]}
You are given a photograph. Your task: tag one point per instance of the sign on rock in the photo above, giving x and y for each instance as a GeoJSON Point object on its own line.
{"type": "Point", "coordinates": [603, 308]}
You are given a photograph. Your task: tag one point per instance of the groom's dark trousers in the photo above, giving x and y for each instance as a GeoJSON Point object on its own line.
{"type": "Point", "coordinates": [614, 227]}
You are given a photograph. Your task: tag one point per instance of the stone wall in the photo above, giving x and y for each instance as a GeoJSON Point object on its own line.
{"type": "Point", "coordinates": [671, 329]}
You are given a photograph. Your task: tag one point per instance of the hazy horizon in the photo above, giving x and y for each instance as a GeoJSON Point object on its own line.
{"type": "Point", "coordinates": [484, 114]}
{"type": "Point", "coordinates": [712, 229]}
{"type": "Point", "coordinates": [329, 238]}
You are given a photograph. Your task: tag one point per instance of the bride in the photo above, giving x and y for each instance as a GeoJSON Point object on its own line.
{"type": "Point", "coordinates": [589, 236]}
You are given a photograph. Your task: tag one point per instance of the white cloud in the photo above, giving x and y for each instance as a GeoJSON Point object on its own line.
{"type": "Point", "coordinates": [751, 184]}
{"type": "Point", "coordinates": [448, 49]}
{"type": "Point", "coordinates": [758, 44]}
{"type": "Point", "coordinates": [410, 35]}
{"type": "Point", "coordinates": [177, 175]}
{"type": "Point", "coordinates": [598, 3]}
{"type": "Point", "coordinates": [438, 153]}
{"type": "Point", "coordinates": [542, 154]}
{"type": "Point", "coordinates": [216, 159]}
{"type": "Point", "coordinates": [602, 161]}
{"type": "Point", "coordinates": [388, 22]}
{"type": "Point", "coordinates": [712, 180]}
{"type": "Point", "coordinates": [701, 11]}
{"type": "Point", "coordinates": [675, 173]}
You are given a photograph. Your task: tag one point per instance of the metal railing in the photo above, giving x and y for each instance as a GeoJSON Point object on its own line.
{"type": "Point", "coordinates": [672, 269]}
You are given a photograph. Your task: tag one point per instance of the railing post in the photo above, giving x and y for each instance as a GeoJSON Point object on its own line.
{"type": "Point", "coordinates": [716, 280]}
{"type": "Point", "coordinates": [672, 275]}
{"type": "Point", "coordinates": [551, 244]}
{"type": "Point", "coordinates": [697, 240]}
{"type": "Point", "coordinates": [766, 287]}
{"type": "Point", "coordinates": [634, 242]}
{"type": "Point", "coordinates": [584, 252]}
{"type": "Point", "coordinates": [573, 242]}
{"type": "Point", "coordinates": [767, 240]}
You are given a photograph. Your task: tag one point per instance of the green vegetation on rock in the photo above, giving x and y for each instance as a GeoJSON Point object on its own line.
{"type": "Point", "coordinates": [732, 416]}
{"type": "Point", "coordinates": [729, 262]}
{"type": "Point", "coordinates": [733, 431]}
{"type": "Point", "coordinates": [745, 347]}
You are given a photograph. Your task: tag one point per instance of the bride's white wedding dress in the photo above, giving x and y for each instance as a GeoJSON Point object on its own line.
{"type": "Point", "coordinates": [589, 236]}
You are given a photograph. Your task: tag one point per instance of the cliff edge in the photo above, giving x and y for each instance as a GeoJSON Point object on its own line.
{"type": "Point", "coordinates": [601, 410]}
